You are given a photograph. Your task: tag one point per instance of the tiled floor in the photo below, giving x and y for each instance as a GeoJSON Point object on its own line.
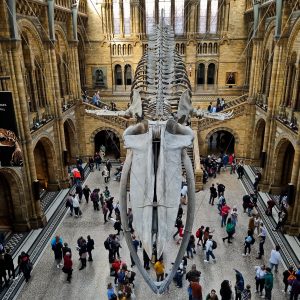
{"type": "Point", "coordinates": [50, 283]}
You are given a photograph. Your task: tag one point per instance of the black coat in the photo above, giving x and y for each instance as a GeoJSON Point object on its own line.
{"type": "Point", "coordinates": [57, 248]}
{"type": "Point", "coordinates": [9, 263]}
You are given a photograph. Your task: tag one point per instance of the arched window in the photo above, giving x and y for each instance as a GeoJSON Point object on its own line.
{"type": "Point", "coordinates": [177, 47]}
{"type": "Point", "coordinates": [60, 75]}
{"type": "Point", "coordinates": [116, 16]}
{"type": "Point", "coordinates": [165, 5]}
{"type": "Point", "coordinates": [202, 16]}
{"type": "Point", "coordinates": [213, 16]}
{"type": "Point", "coordinates": [150, 15]}
{"type": "Point", "coordinates": [204, 48]}
{"type": "Point", "coordinates": [114, 49]}
{"type": "Point", "coordinates": [199, 48]}
{"type": "Point", "coordinates": [128, 75]}
{"type": "Point", "coordinates": [200, 74]}
{"type": "Point", "coordinates": [210, 48]}
{"type": "Point", "coordinates": [124, 49]}
{"type": "Point", "coordinates": [215, 48]}
{"type": "Point", "coordinates": [129, 49]}
{"type": "Point", "coordinates": [40, 83]}
{"type": "Point", "coordinates": [32, 103]}
{"type": "Point", "coordinates": [182, 49]}
{"type": "Point", "coordinates": [211, 73]}
{"type": "Point", "coordinates": [66, 75]}
{"type": "Point", "coordinates": [119, 50]}
{"type": "Point", "coordinates": [126, 12]}
{"type": "Point", "coordinates": [179, 17]}
{"type": "Point", "coordinates": [118, 75]}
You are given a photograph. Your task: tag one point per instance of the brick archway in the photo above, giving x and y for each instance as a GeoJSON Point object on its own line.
{"type": "Point", "coordinates": [235, 135]}
{"type": "Point", "coordinates": [11, 198]}
{"type": "Point", "coordinates": [117, 134]}
{"type": "Point", "coordinates": [45, 162]}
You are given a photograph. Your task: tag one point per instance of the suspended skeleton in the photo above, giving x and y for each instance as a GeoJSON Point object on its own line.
{"type": "Point", "coordinates": [157, 143]}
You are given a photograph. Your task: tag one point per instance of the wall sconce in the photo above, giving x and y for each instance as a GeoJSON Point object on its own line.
{"type": "Point", "coordinates": [190, 70]}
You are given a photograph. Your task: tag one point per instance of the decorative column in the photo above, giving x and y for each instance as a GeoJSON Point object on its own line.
{"type": "Point", "coordinates": [295, 89]}
{"type": "Point", "coordinates": [192, 19]}
{"type": "Point", "coordinates": [38, 216]}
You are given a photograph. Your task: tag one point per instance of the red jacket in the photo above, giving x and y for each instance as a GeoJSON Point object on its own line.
{"type": "Point", "coordinates": [116, 265]}
{"type": "Point", "coordinates": [225, 210]}
{"type": "Point", "coordinates": [68, 262]}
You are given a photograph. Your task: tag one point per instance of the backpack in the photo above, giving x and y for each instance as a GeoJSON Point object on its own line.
{"type": "Point", "coordinates": [107, 244]}
{"type": "Point", "coordinates": [198, 233]}
{"type": "Point", "coordinates": [214, 245]}
{"type": "Point", "coordinates": [252, 241]}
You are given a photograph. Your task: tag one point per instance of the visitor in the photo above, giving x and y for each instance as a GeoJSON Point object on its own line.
{"type": "Point", "coordinates": [69, 203]}
{"type": "Point", "coordinates": [269, 280]}
{"type": "Point", "coordinates": [221, 189]}
{"type": "Point", "coordinates": [76, 206]}
{"type": "Point", "coordinates": [159, 269]}
{"type": "Point", "coordinates": [239, 285]}
{"type": "Point", "coordinates": [213, 194]}
{"type": "Point", "coordinates": [57, 249]}
{"type": "Point", "coordinates": [260, 273]}
{"type": "Point", "coordinates": [234, 216]}
{"type": "Point", "coordinates": [275, 258]}
{"type": "Point", "coordinates": [295, 290]}
{"type": "Point", "coordinates": [66, 249]}
{"type": "Point", "coordinates": [240, 170]}
{"type": "Point", "coordinates": [82, 254]}
{"type": "Point", "coordinates": [196, 290]}
{"type": "Point", "coordinates": [191, 247]}
{"type": "Point", "coordinates": [212, 295]}
{"type": "Point", "coordinates": [289, 277]}
{"type": "Point", "coordinates": [246, 293]}
{"type": "Point", "coordinates": [193, 274]}
{"type": "Point", "coordinates": [3, 272]}
{"type": "Point", "coordinates": [111, 292]}
{"type": "Point", "coordinates": [230, 229]}
{"type": "Point", "coordinates": [135, 244]}
{"type": "Point", "coordinates": [67, 267]}
{"type": "Point", "coordinates": [209, 249]}
{"type": "Point", "coordinates": [225, 291]}
{"type": "Point", "coordinates": [105, 174]}
{"type": "Point", "coordinates": [25, 265]}
{"type": "Point", "coordinates": [199, 235]}
{"type": "Point", "coordinates": [9, 264]}
{"type": "Point", "coordinates": [90, 247]}
{"type": "Point", "coordinates": [146, 260]}
{"type": "Point", "coordinates": [108, 166]}
{"type": "Point", "coordinates": [224, 214]}
{"type": "Point", "coordinates": [86, 192]}
{"type": "Point", "coordinates": [262, 238]}
{"type": "Point", "coordinates": [249, 240]}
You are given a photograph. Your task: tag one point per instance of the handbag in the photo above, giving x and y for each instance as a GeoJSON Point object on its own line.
{"type": "Point", "coordinates": [112, 272]}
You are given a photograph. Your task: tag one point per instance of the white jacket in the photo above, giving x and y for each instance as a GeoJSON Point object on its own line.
{"type": "Point", "coordinates": [275, 257]}
{"type": "Point", "coordinates": [208, 245]}
{"type": "Point", "coordinates": [76, 201]}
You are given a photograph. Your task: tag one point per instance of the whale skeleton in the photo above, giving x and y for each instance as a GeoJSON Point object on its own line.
{"type": "Point", "coordinates": [156, 148]}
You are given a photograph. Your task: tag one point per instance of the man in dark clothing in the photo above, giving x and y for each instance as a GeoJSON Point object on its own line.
{"type": "Point", "coordinates": [9, 264]}
{"type": "Point", "coordinates": [295, 291]}
{"type": "Point", "coordinates": [146, 260]}
{"type": "Point", "coordinates": [213, 194]}
{"type": "Point", "coordinates": [240, 171]}
{"type": "Point", "coordinates": [90, 247]}
{"type": "Point", "coordinates": [79, 191]}
{"type": "Point", "coordinates": [135, 244]}
{"type": "Point", "coordinates": [221, 189]}
{"type": "Point", "coordinates": [57, 249]}
{"type": "Point", "coordinates": [108, 166]}
{"type": "Point", "coordinates": [193, 274]}
{"type": "Point", "coordinates": [178, 225]}
{"type": "Point", "coordinates": [66, 249]}
{"type": "Point", "coordinates": [82, 254]}
{"type": "Point", "coordinates": [2, 271]}
{"type": "Point", "coordinates": [86, 192]}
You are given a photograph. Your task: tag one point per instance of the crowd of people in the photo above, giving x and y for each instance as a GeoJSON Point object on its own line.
{"type": "Point", "coordinates": [219, 106]}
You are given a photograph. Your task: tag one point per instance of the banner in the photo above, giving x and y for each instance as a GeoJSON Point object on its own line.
{"type": "Point", "coordinates": [10, 148]}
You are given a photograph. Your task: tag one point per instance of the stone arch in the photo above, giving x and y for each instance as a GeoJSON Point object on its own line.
{"type": "Point", "coordinates": [293, 34]}
{"type": "Point", "coordinates": [234, 133]}
{"type": "Point", "coordinates": [46, 163]}
{"type": "Point", "coordinates": [115, 132]}
{"type": "Point", "coordinates": [12, 200]}
{"type": "Point", "coordinates": [70, 141]}
{"type": "Point", "coordinates": [258, 141]}
{"type": "Point", "coordinates": [27, 25]}
{"type": "Point", "coordinates": [283, 163]}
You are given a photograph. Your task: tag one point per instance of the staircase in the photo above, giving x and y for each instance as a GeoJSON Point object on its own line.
{"type": "Point", "coordinates": [236, 105]}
